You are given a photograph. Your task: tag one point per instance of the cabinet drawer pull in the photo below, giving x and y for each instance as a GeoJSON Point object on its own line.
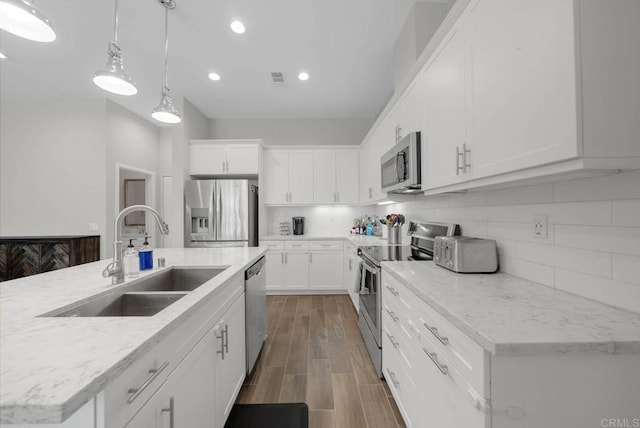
{"type": "Point", "coordinates": [225, 340]}
{"type": "Point", "coordinates": [221, 337]}
{"type": "Point", "coordinates": [459, 155]}
{"type": "Point", "coordinates": [171, 413]}
{"type": "Point", "coordinates": [392, 315]}
{"type": "Point", "coordinates": [392, 378]}
{"type": "Point", "coordinates": [444, 369]}
{"type": "Point", "coordinates": [393, 291]}
{"type": "Point", "coordinates": [467, 162]}
{"type": "Point", "coordinates": [135, 392]}
{"type": "Point", "coordinates": [392, 340]}
{"type": "Point", "coordinates": [434, 330]}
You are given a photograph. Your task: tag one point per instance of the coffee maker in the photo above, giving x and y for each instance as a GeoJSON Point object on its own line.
{"type": "Point", "coordinates": [298, 225]}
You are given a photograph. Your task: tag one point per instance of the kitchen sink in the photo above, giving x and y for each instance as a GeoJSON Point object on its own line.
{"type": "Point", "coordinates": [144, 297]}
{"type": "Point", "coordinates": [130, 304]}
{"type": "Point", "coordinates": [176, 279]}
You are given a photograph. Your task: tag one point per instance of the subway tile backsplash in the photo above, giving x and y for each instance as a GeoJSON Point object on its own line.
{"type": "Point", "coordinates": [593, 244]}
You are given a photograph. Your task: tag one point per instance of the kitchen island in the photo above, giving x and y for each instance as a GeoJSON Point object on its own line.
{"type": "Point", "coordinates": [50, 367]}
{"type": "Point", "coordinates": [497, 351]}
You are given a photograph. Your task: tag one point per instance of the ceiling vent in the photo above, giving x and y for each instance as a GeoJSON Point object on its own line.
{"type": "Point", "coordinates": [277, 78]}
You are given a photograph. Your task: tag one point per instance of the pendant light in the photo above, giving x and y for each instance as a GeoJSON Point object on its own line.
{"type": "Point", "coordinates": [113, 77]}
{"type": "Point", "coordinates": [25, 20]}
{"type": "Point", "coordinates": [166, 112]}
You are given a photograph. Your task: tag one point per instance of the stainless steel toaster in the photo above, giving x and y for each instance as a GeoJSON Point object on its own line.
{"type": "Point", "coordinates": [465, 254]}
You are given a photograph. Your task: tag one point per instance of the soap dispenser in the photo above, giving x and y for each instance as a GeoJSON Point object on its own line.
{"type": "Point", "coordinates": [146, 255]}
{"type": "Point", "coordinates": [130, 261]}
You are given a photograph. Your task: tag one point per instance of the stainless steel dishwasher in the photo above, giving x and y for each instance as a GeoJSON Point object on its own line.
{"type": "Point", "coordinates": [255, 287]}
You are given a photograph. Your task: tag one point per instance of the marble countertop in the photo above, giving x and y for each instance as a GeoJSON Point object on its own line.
{"type": "Point", "coordinates": [509, 315]}
{"type": "Point", "coordinates": [355, 239]}
{"type": "Point", "coordinates": [50, 367]}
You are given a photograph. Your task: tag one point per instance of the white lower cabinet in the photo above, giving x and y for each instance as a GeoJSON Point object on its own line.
{"type": "Point", "coordinates": [304, 266]}
{"type": "Point", "coordinates": [352, 274]}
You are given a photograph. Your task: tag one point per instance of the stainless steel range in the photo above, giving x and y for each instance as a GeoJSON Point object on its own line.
{"type": "Point", "coordinates": [421, 249]}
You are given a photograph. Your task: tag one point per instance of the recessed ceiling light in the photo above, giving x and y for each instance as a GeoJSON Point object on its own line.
{"type": "Point", "coordinates": [2, 56]}
{"type": "Point", "coordinates": [303, 76]}
{"type": "Point", "coordinates": [237, 27]}
{"type": "Point", "coordinates": [214, 76]}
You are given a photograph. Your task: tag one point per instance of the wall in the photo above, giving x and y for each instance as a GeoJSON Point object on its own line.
{"type": "Point", "coordinates": [319, 220]}
{"type": "Point", "coordinates": [421, 24]}
{"type": "Point", "coordinates": [293, 131]}
{"type": "Point", "coordinates": [52, 167]}
{"type": "Point", "coordinates": [134, 142]}
{"type": "Point", "coordinates": [593, 245]}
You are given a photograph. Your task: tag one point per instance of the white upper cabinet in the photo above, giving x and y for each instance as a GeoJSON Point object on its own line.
{"type": "Point", "coordinates": [335, 176]}
{"type": "Point", "coordinates": [523, 84]}
{"type": "Point", "coordinates": [412, 108]}
{"type": "Point", "coordinates": [221, 157]}
{"type": "Point", "coordinates": [288, 177]}
{"type": "Point", "coordinates": [443, 83]}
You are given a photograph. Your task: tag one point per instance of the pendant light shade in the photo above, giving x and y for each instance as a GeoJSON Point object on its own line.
{"type": "Point", "coordinates": [23, 19]}
{"type": "Point", "coordinates": [113, 78]}
{"type": "Point", "coordinates": [166, 112]}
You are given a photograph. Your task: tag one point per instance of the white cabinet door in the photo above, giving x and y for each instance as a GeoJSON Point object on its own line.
{"type": "Point", "coordinates": [351, 278]}
{"type": "Point", "coordinates": [230, 365]}
{"type": "Point", "coordinates": [206, 159]}
{"type": "Point", "coordinates": [347, 176]}
{"type": "Point", "coordinates": [444, 112]}
{"type": "Point", "coordinates": [365, 171]}
{"type": "Point", "coordinates": [297, 270]}
{"type": "Point", "coordinates": [523, 84]}
{"type": "Point", "coordinates": [324, 173]}
{"type": "Point", "coordinates": [275, 269]}
{"type": "Point", "coordinates": [325, 269]}
{"type": "Point", "coordinates": [301, 177]}
{"type": "Point", "coordinates": [373, 163]}
{"type": "Point", "coordinates": [243, 158]}
{"type": "Point", "coordinates": [276, 177]}
{"type": "Point", "coordinates": [412, 107]}
{"type": "Point", "coordinates": [188, 393]}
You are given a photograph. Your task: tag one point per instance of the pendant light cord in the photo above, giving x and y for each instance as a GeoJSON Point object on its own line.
{"type": "Point", "coordinates": [166, 46]}
{"type": "Point", "coordinates": [115, 25]}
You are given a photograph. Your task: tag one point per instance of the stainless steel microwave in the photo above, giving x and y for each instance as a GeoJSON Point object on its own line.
{"type": "Point", "coordinates": [400, 166]}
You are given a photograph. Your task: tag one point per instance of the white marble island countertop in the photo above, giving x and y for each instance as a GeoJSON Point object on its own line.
{"type": "Point", "coordinates": [509, 315]}
{"type": "Point", "coordinates": [50, 367]}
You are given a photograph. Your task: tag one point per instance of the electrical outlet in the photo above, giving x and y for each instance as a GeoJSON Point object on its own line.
{"type": "Point", "coordinates": [540, 228]}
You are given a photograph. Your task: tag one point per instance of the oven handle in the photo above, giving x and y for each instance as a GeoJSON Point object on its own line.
{"type": "Point", "coordinates": [365, 265]}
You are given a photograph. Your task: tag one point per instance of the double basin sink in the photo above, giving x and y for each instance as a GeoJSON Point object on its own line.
{"type": "Point", "coordinates": [142, 298]}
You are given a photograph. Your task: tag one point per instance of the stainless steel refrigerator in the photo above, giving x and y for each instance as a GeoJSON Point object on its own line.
{"type": "Point", "coordinates": [221, 213]}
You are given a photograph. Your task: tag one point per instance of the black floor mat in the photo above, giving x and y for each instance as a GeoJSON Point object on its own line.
{"type": "Point", "coordinates": [283, 415]}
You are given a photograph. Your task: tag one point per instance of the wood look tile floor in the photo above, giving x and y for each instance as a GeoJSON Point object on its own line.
{"type": "Point", "coordinates": [315, 354]}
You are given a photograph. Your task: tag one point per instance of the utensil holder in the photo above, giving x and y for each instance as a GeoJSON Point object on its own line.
{"type": "Point", "coordinates": [394, 234]}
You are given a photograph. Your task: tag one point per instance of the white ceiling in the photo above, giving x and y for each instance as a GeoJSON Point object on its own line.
{"type": "Point", "coordinates": [345, 45]}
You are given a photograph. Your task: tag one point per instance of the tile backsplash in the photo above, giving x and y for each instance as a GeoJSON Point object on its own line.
{"type": "Point", "coordinates": [593, 243]}
{"type": "Point", "coordinates": [319, 220]}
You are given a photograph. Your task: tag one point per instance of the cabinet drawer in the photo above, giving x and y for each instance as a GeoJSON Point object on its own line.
{"type": "Point", "coordinates": [273, 245]}
{"type": "Point", "coordinates": [397, 294]}
{"type": "Point", "coordinates": [296, 245]}
{"type": "Point", "coordinates": [126, 394]}
{"type": "Point", "coordinates": [447, 340]}
{"type": "Point", "coordinates": [326, 245]}
{"type": "Point", "coordinates": [400, 382]}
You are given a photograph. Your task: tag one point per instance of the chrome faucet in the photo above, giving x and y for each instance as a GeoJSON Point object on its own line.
{"type": "Point", "coordinates": [115, 269]}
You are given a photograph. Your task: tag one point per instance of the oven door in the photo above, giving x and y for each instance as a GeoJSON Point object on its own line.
{"type": "Point", "coordinates": [370, 306]}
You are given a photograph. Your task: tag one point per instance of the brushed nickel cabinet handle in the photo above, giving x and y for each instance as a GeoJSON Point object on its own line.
{"type": "Point", "coordinates": [135, 392]}
{"type": "Point", "coordinates": [392, 340]}
{"type": "Point", "coordinates": [221, 350]}
{"type": "Point", "coordinates": [225, 332]}
{"type": "Point", "coordinates": [392, 377]}
{"type": "Point", "coordinates": [393, 291]}
{"type": "Point", "coordinates": [466, 162]}
{"type": "Point", "coordinates": [459, 155]}
{"type": "Point", "coordinates": [392, 315]}
{"type": "Point", "coordinates": [444, 369]}
{"type": "Point", "coordinates": [434, 331]}
{"type": "Point", "coordinates": [171, 412]}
